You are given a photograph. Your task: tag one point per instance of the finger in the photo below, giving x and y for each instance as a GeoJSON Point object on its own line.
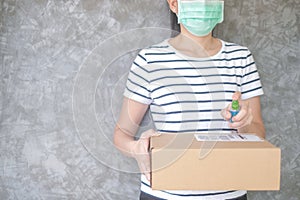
{"type": "Point", "coordinates": [147, 176]}
{"type": "Point", "coordinates": [149, 133]}
{"type": "Point", "coordinates": [237, 96]}
{"type": "Point", "coordinates": [225, 114]}
{"type": "Point", "coordinates": [247, 120]}
{"type": "Point", "coordinates": [147, 170]}
{"type": "Point", "coordinates": [144, 165]}
{"type": "Point", "coordinates": [242, 123]}
{"type": "Point", "coordinates": [243, 113]}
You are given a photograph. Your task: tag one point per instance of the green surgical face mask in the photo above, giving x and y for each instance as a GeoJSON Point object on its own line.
{"type": "Point", "coordinates": [200, 17]}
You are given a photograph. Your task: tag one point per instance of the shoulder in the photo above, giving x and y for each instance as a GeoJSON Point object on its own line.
{"type": "Point", "coordinates": [235, 49]}
{"type": "Point", "coordinates": [161, 45]}
{"type": "Point", "coordinates": [233, 45]}
{"type": "Point", "coordinates": [158, 52]}
{"type": "Point", "coordinates": [157, 49]}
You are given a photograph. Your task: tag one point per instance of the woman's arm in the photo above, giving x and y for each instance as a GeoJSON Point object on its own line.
{"type": "Point", "coordinates": [131, 115]}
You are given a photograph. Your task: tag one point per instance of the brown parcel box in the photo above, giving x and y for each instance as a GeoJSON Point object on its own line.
{"type": "Point", "coordinates": [180, 162]}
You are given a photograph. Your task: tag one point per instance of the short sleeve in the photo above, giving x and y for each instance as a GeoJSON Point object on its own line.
{"type": "Point", "coordinates": [137, 85]}
{"type": "Point", "coordinates": [251, 85]}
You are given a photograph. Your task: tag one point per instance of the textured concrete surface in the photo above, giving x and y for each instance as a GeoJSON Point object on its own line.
{"type": "Point", "coordinates": [63, 68]}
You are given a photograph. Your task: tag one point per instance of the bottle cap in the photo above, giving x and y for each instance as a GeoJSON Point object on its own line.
{"type": "Point", "coordinates": [235, 105]}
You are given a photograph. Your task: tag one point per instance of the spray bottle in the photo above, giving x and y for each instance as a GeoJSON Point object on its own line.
{"type": "Point", "coordinates": [235, 108]}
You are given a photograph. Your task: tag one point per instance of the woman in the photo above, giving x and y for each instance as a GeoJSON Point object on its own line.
{"type": "Point", "coordinates": [188, 83]}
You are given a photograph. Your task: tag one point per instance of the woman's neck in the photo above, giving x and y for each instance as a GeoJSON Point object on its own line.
{"type": "Point", "coordinates": [195, 46]}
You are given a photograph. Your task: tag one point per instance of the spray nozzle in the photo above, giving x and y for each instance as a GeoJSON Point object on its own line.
{"type": "Point", "coordinates": [235, 105]}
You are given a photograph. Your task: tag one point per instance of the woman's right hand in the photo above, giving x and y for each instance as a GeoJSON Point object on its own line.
{"type": "Point", "coordinates": [140, 151]}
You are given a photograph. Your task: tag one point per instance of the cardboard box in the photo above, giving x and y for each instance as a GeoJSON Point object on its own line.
{"type": "Point", "coordinates": [180, 162]}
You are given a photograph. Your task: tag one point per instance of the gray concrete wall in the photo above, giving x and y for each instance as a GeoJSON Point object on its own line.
{"type": "Point", "coordinates": [271, 31]}
{"type": "Point", "coordinates": [63, 68]}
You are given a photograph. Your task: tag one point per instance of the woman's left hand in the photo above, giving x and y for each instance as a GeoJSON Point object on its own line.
{"type": "Point", "coordinates": [243, 118]}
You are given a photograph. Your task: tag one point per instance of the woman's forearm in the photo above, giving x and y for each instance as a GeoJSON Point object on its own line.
{"type": "Point", "coordinates": [123, 141]}
{"type": "Point", "coordinates": [131, 115]}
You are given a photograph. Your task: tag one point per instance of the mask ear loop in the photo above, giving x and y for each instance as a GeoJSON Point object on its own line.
{"type": "Point", "coordinates": [213, 32]}
{"type": "Point", "coordinates": [223, 10]}
{"type": "Point", "coordinates": [174, 23]}
{"type": "Point", "coordinates": [178, 11]}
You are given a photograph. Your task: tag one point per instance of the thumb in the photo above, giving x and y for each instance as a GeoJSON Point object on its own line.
{"type": "Point", "coordinates": [237, 95]}
{"type": "Point", "coordinates": [149, 133]}
{"type": "Point", "coordinates": [225, 112]}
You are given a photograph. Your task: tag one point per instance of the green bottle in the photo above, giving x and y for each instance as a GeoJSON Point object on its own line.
{"type": "Point", "coordinates": [235, 108]}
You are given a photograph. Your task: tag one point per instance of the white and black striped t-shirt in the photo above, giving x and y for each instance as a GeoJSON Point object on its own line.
{"type": "Point", "coordinates": [186, 94]}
